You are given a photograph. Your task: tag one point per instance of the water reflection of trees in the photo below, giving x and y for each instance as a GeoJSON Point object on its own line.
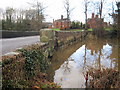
{"type": "Point", "coordinates": [94, 54]}
{"type": "Point", "coordinates": [96, 47]}
{"type": "Point", "coordinates": [66, 68]}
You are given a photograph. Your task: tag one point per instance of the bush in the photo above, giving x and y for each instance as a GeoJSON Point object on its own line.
{"type": "Point", "coordinates": [105, 78]}
{"type": "Point", "coordinates": [34, 60]}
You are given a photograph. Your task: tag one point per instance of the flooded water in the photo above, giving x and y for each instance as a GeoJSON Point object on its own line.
{"type": "Point", "coordinates": [70, 64]}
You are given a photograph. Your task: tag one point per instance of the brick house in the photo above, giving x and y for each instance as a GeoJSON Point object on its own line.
{"type": "Point", "coordinates": [62, 23]}
{"type": "Point", "coordinates": [95, 22]}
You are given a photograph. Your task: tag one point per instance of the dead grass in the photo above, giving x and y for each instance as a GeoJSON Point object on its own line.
{"type": "Point", "coordinates": [105, 78]}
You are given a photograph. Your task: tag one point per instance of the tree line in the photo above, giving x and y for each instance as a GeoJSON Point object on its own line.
{"type": "Point", "coordinates": [33, 18]}
{"type": "Point", "coordinates": [26, 20]}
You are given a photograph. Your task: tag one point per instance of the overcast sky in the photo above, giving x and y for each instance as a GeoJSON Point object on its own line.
{"type": "Point", "coordinates": [55, 8]}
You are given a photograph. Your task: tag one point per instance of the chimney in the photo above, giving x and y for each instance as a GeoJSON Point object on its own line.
{"type": "Point", "coordinates": [93, 15]}
{"type": "Point", "coordinates": [96, 16]}
{"type": "Point", "coordinates": [61, 16]}
{"type": "Point", "coordinates": [53, 20]}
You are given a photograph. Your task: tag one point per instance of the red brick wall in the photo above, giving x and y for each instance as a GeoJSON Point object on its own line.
{"type": "Point", "coordinates": [95, 22]}
{"type": "Point", "coordinates": [62, 24]}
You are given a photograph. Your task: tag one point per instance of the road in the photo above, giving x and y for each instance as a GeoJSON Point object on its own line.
{"type": "Point", "coordinates": [11, 44]}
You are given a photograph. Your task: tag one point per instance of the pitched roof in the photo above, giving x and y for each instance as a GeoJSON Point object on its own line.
{"type": "Point", "coordinates": [65, 19]}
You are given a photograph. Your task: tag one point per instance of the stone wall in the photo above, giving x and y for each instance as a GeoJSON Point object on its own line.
{"type": "Point", "coordinates": [59, 38]}
{"type": "Point", "coordinates": [62, 38]}
{"type": "Point", "coordinates": [65, 35]}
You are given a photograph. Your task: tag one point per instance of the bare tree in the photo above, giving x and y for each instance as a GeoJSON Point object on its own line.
{"type": "Point", "coordinates": [21, 15]}
{"type": "Point", "coordinates": [116, 16]}
{"type": "Point", "coordinates": [9, 14]}
{"type": "Point", "coordinates": [39, 13]}
{"type": "Point", "coordinates": [1, 11]}
{"type": "Point", "coordinates": [100, 7]}
{"type": "Point", "coordinates": [86, 3]}
{"type": "Point", "coordinates": [113, 8]}
{"type": "Point", "coordinates": [67, 8]}
{"type": "Point", "coordinates": [118, 26]}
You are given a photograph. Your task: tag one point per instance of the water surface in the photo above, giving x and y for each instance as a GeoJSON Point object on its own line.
{"type": "Point", "coordinates": [69, 72]}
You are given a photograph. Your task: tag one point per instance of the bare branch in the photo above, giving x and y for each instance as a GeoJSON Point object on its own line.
{"type": "Point", "coordinates": [39, 13]}
{"type": "Point", "coordinates": [86, 3]}
{"type": "Point", "coordinates": [67, 8]}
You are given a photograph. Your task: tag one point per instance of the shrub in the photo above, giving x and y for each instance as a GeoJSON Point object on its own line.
{"type": "Point", "coordinates": [34, 60]}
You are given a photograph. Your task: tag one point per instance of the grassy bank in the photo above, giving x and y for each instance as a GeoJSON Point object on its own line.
{"type": "Point", "coordinates": [56, 29]}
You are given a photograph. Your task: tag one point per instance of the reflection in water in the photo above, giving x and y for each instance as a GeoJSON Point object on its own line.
{"type": "Point", "coordinates": [71, 72]}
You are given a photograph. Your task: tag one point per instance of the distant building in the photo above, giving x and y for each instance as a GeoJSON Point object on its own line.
{"type": "Point", "coordinates": [47, 24]}
{"type": "Point", "coordinates": [62, 23]}
{"type": "Point", "coordinates": [96, 22]}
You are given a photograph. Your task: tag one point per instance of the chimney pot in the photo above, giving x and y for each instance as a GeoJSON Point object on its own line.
{"type": "Point", "coordinates": [93, 15]}
{"type": "Point", "coordinates": [61, 16]}
{"type": "Point", "coordinates": [96, 16]}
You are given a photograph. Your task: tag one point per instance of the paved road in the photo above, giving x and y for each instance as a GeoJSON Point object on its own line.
{"type": "Point", "coordinates": [9, 45]}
